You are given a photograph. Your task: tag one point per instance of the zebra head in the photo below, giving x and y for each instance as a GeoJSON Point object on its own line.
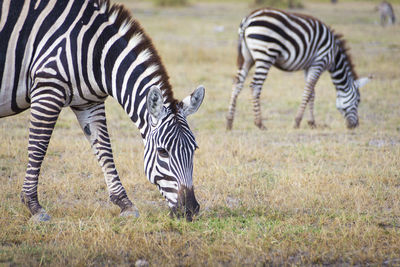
{"type": "Point", "coordinates": [169, 150]}
{"type": "Point", "coordinates": [347, 102]}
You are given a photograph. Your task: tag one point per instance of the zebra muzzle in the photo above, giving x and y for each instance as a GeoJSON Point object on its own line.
{"type": "Point", "coordinates": [351, 119]}
{"type": "Point", "coordinates": [187, 205]}
{"type": "Point", "coordinates": [351, 124]}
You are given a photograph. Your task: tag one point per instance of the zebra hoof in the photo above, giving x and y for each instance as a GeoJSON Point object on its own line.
{"type": "Point", "coordinates": [40, 216]}
{"type": "Point", "coordinates": [297, 123]}
{"type": "Point", "coordinates": [312, 124]}
{"type": "Point", "coordinates": [130, 212]}
{"type": "Point", "coordinates": [229, 123]}
{"type": "Point", "coordinates": [260, 126]}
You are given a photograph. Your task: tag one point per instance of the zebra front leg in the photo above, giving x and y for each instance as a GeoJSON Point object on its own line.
{"type": "Point", "coordinates": [308, 95]}
{"type": "Point", "coordinates": [45, 109]}
{"type": "Point", "coordinates": [93, 122]}
{"type": "Point", "coordinates": [306, 98]}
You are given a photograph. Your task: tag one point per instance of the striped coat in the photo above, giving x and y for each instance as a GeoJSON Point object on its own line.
{"type": "Point", "coordinates": [59, 53]}
{"type": "Point", "coordinates": [291, 42]}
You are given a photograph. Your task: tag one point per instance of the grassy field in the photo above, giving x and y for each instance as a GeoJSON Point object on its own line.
{"type": "Point", "coordinates": [280, 196]}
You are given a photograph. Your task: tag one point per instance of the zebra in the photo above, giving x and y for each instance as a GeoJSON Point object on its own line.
{"type": "Point", "coordinates": [387, 13]}
{"type": "Point", "coordinates": [59, 53]}
{"type": "Point", "coordinates": [289, 41]}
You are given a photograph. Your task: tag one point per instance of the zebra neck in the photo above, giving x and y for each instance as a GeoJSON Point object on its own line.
{"type": "Point", "coordinates": [134, 104]}
{"type": "Point", "coordinates": [127, 65]}
{"type": "Point", "coordinates": [131, 74]}
{"type": "Point", "coordinates": [342, 73]}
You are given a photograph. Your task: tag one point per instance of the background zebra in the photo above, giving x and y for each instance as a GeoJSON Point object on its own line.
{"type": "Point", "coordinates": [294, 42]}
{"type": "Point", "coordinates": [61, 53]}
{"type": "Point", "coordinates": [386, 13]}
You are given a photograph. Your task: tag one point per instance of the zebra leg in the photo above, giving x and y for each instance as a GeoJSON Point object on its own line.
{"type": "Point", "coordinates": [93, 122]}
{"type": "Point", "coordinates": [383, 19]}
{"type": "Point", "coordinates": [236, 89]}
{"type": "Point", "coordinates": [392, 19]}
{"type": "Point", "coordinates": [261, 72]}
{"type": "Point", "coordinates": [308, 94]}
{"type": "Point", "coordinates": [311, 121]}
{"type": "Point", "coordinates": [45, 108]}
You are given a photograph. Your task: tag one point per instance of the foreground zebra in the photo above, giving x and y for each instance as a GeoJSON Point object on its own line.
{"type": "Point", "coordinates": [55, 54]}
{"type": "Point", "coordinates": [294, 42]}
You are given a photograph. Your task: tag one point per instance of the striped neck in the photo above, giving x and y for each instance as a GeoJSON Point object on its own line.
{"type": "Point", "coordinates": [342, 71]}
{"type": "Point", "coordinates": [129, 65]}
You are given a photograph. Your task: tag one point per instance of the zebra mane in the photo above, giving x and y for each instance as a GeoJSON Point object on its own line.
{"type": "Point", "coordinates": [339, 40]}
{"type": "Point", "coordinates": [344, 49]}
{"type": "Point", "coordinates": [130, 28]}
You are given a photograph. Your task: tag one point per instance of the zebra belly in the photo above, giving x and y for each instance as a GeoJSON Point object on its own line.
{"type": "Point", "coordinates": [290, 55]}
{"type": "Point", "coordinates": [287, 65]}
{"type": "Point", "coordinates": [285, 61]}
{"type": "Point", "coordinates": [7, 102]}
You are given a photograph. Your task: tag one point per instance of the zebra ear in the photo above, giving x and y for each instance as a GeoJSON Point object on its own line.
{"type": "Point", "coordinates": [363, 81]}
{"type": "Point", "coordinates": [191, 103]}
{"type": "Point", "coordinates": [155, 103]}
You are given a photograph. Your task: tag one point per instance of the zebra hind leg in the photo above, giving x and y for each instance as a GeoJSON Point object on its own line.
{"type": "Point", "coordinates": [94, 126]}
{"type": "Point", "coordinates": [236, 89]}
{"type": "Point", "coordinates": [257, 106]}
{"type": "Point", "coordinates": [245, 62]}
{"type": "Point", "coordinates": [260, 74]}
{"type": "Point", "coordinates": [311, 121]}
{"type": "Point", "coordinates": [45, 109]}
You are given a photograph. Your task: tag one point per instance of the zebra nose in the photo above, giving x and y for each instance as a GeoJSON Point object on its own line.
{"type": "Point", "coordinates": [192, 211]}
{"type": "Point", "coordinates": [187, 203]}
{"type": "Point", "coordinates": [352, 123]}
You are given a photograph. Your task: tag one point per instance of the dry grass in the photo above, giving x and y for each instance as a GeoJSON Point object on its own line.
{"type": "Point", "coordinates": [280, 196]}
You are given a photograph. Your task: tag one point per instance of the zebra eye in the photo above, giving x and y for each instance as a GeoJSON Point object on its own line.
{"type": "Point", "coordinates": [162, 152]}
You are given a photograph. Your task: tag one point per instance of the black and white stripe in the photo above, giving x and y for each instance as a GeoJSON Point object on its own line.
{"type": "Point", "coordinates": [55, 54]}
{"type": "Point", "coordinates": [292, 42]}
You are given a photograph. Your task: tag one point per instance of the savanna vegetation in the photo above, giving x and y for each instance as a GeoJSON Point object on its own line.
{"type": "Point", "coordinates": [281, 196]}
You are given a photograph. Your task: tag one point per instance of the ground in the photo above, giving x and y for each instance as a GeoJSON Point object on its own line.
{"type": "Point", "coordinates": [281, 196]}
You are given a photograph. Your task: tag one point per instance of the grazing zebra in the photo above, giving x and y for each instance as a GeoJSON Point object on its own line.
{"type": "Point", "coordinates": [294, 42]}
{"type": "Point", "coordinates": [386, 12]}
{"type": "Point", "coordinates": [55, 54]}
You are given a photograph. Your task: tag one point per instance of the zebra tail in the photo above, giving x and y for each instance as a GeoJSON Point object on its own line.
{"type": "Point", "coordinates": [240, 58]}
